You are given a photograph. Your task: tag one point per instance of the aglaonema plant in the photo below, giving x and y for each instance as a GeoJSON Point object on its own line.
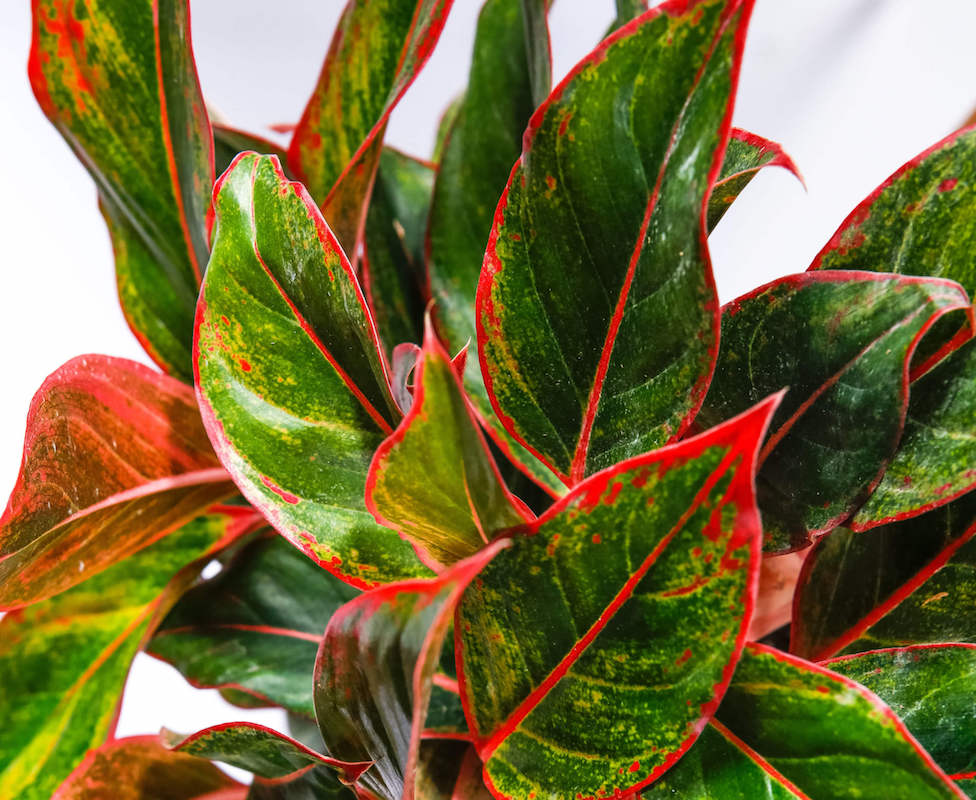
{"type": "Point", "coordinates": [504, 502]}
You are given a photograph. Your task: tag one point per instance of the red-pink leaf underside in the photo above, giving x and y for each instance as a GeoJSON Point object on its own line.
{"type": "Point", "coordinates": [433, 479]}
{"type": "Point", "coordinates": [375, 669]}
{"type": "Point", "coordinates": [118, 81]}
{"type": "Point", "coordinates": [258, 749]}
{"type": "Point", "coordinates": [292, 384]}
{"type": "Point", "coordinates": [139, 767]}
{"type": "Point", "coordinates": [115, 457]}
{"type": "Point", "coordinates": [376, 52]}
{"type": "Point", "coordinates": [842, 342]}
{"type": "Point", "coordinates": [594, 650]}
{"type": "Point", "coordinates": [596, 309]}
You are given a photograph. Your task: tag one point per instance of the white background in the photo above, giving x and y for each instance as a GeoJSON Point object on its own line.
{"type": "Point", "coordinates": [852, 89]}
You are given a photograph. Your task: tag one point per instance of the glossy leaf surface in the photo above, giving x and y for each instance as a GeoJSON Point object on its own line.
{"type": "Point", "coordinates": [139, 768]}
{"type": "Point", "coordinates": [374, 672]}
{"type": "Point", "coordinates": [256, 625]}
{"type": "Point", "coordinates": [826, 735]}
{"type": "Point", "coordinates": [936, 457]}
{"type": "Point", "coordinates": [376, 52]}
{"type": "Point", "coordinates": [114, 458]}
{"type": "Point", "coordinates": [117, 79]}
{"type": "Point", "coordinates": [593, 651]}
{"type": "Point", "coordinates": [257, 749]}
{"type": "Point", "coordinates": [596, 310]}
{"type": "Point", "coordinates": [744, 157]}
{"type": "Point", "coordinates": [293, 387]}
{"type": "Point", "coordinates": [64, 661]}
{"type": "Point", "coordinates": [393, 249]}
{"type": "Point", "coordinates": [918, 222]}
{"type": "Point", "coordinates": [434, 480]}
{"type": "Point", "coordinates": [842, 343]}
{"type": "Point", "coordinates": [904, 583]}
{"type": "Point", "coordinates": [931, 688]}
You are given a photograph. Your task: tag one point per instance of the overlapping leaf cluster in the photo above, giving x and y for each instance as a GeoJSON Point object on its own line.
{"type": "Point", "coordinates": [490, 476]}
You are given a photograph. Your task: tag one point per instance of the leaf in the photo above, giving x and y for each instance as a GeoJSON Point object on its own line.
{"type": "Point", "coordinates": [433, 480]}
{"type": "Point", "coordinates": [117, 79]}
{"type": "Point", "coordinates": [114, 459]}
{"type": "Point", "coordinates": [593, 651]}
{"type": "Point", "coordinates": [745, 156]}
{"type": "Point", "coordinates": [255, 626]}
{"type": "Point", "coordinates": [293, 388]}
{"type": "Point", "coordinates": [231, 142]}
{"type": "Point", "coordinates": [449, 771]}
{"type": "Point", "coordinates": [930, 688]}
{"type": "Point", "coordinates": [918, 222]}
{"type": "Point", "coordinates": [139, 767]}
{"type": "Point", "coordinates": [538, 49]}
{"type": "Point", "coordinates": [64, 661]}
{"type": "Point", "coordinates": [257, 749]}
{"type": "Point", "coordinates": [816, 734]}
{"type": "Point", "coordinates": [377, 50]}
{"type": "Point", "coordinates": [596, 309]}
{"type": "Point", "coordinates": [393, 248]}
{"type": "Point", "coordinates": [842, 343]}
{"type": "Point", "coordinates": [374, 671]}
{"type": "Point", "coordinates": [936, 458]}
{"type": "Point", "coordinates": [904, 583]}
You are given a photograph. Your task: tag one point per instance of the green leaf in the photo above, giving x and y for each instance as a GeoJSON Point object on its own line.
{"type": "Point", "coordinates": [393, 248]}
{"type": "Point", "coordinates": [293, 387]}
{"type": "Point", "coordinates": [816, 734]}
{"type": "Point", "coordinates": [114, 459]}
{"type": "Point", "coordinates": [537, 48]}
{"type": "Point", "coordinates": [376, 52]}
{"type": "Point", "coordinates": [930, 688]}
{"type": "Point", "coordinates": [318, 783]}
{"type": "Point", "coordinates": [936, 457]}
{"type": "Point", "coordinates": [374, 673]}
{"type": "Point", "coordinates": [117, 79]}
{"type": "Point", "coordinates": [842, 343]}
{"type": "Point", "coordinates": [434, 480]}
{"type": "Point", "coordinates": [64, 661]}
{"type": "Point", "coordinates": [745, 156]}
{"type": "Point", "coordinates": [257, 749]}
{"type": "Point", "coordinates": [231, 142]}
{"type": "Point", "coordinates": [919, 221]}
{"type": "Point", "coordinates": [449, 771]}
{"type": "Point", "coordinates": [139, 767]}
{"type": "Point", "coordinates": [904, 583]}
{"type": "Point", "coordinates": [597, 312]}
{"type": "Point", "coordinates": [593, 651]}
{"type": "Point", "coordinates": [255, 626]}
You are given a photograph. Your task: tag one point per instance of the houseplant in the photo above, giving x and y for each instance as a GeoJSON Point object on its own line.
{"type": "Point", "coordinates": [488, 428]}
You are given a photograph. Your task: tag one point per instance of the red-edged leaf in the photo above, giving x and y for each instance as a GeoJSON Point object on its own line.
{"type": "Point", "coordinates": [117, 79]}
{"type": "Point", "coordinates": [374, 671]}
{"type": "Point", "coordinates": [936, 457]}
{"type": "Point", "coordinates": [746, 154]}
{"type": "Point", "coordinates": [140, 768]}
{"type": "Point", "coordinates": [64, 661]}
{"type": "Point", "coordinates": [292, 384]}
{"type": "Point", "coordinates": [904, 583]}
{"type": "Point", "coordinates": [920, 221]}
{"type": "Point", "coordinates": [596, 310]}
{"type": "Point", "coordinates": [376, 52]}
{"type": "Point", "coordinates": [449, 771]}
{"type": "Point", "coordinates": [258, 749]}
{"type": "Point", "coordinates": [931, 688]}
{"type": "Point", "coordinates": [115, 457]}
{"type": "Point", "coordinates": [254, 628]}
{"type": "Point", "coordinates": [433, 479]}
{"type": "Point", "coordinates": [842, 343]}
{"type": "Point", "coordinates": [594, 650]}
{"type": "Point", "coordinates": [793, 729]}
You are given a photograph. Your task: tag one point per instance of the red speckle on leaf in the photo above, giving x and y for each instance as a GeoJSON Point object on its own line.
{"type": "Point", "coordinates": [635, 766]}
{"type": "Point", "coordinates": [564, 123]}
{"type": "Point", "coordinates": [823, 690]}
{"type": "Point", "coordinates": [597, 538]}
{"type": "Point", "coordinates": [550, 183]}
{"type": "Point", "coordinates": [943, 488]}
{"type": "Point", "coordinates": [288, 497]}
{"type": "Point", "coordinates": [614, 491]}
{"type": "Point", "coordinates": [245, 365]}
{"type": "Point", "coordinates": [225, 320]}
{"type": "Point", "coordinates": [640, 479]}
{"type": "Point", "coordinates": [906, 481]}
{"type": "Point", "coordinates": [684, 657]}
{"type": "Point", "coordinates": [948, 184]}
{"type": "Point", "coordinates": [551, 547]}
{"type": "Point", "coordinates": [516, 237]}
